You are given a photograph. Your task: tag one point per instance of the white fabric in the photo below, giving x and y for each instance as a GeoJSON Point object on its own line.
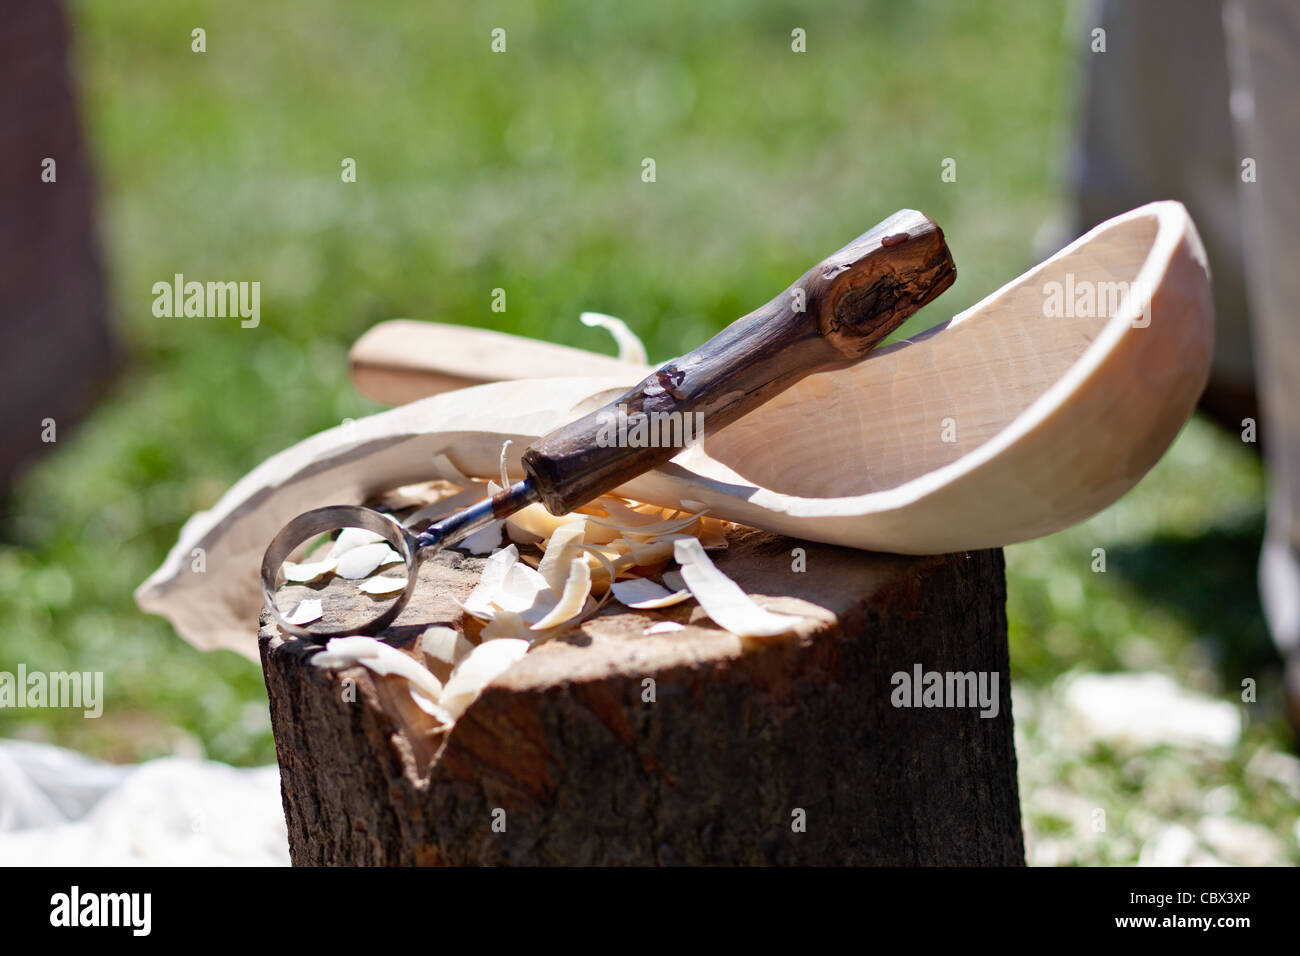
{"type": "Point", "coordinates": [59, 808]}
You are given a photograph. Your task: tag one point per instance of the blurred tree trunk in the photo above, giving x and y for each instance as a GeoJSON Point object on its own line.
{"type": "Point", "coordinates": [56, 348]}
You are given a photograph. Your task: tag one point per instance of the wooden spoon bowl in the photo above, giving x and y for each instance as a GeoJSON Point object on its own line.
{"type": "Point", "coordinates": [1030, 411]}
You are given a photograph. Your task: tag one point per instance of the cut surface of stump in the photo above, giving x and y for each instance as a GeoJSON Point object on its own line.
{"type": "Point", "coordinates": [609, 745]}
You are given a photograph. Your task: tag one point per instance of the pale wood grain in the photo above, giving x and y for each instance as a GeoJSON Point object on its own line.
{"type": "Point", "coordinates": [1055, 418]}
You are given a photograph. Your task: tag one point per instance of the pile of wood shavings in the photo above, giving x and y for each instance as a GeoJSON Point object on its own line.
{"type": "Point", "coordinates": [547, 574]}
{"type": "Point", "coordinates": [570, 567]}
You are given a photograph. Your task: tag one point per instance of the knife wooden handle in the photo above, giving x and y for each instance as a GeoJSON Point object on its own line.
{"type": "Point", "coordinates": [831, 317]}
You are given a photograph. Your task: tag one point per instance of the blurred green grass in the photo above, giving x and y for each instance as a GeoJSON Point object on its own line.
{"type": "Point", "coordinates": [522, 171]}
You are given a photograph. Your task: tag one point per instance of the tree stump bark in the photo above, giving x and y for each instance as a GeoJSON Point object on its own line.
{"type": "Point", "coordinates": [612, 746]}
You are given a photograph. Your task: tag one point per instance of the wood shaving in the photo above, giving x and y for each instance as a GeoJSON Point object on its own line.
{"type": "Point", "coordinates": [506, 624]}
{"type": "Point", "coordinates": [308, 570]}
{"type": "Point", "coordinates": [722, 599]}
{"type": "Point", "coordinates": [361, 562]}
{"type": "Point", "coordinates": [350, 538]}
{"type": "Point", "coordinates": [618, 509]}
{"type": "Point", "coordinates": [644, 594]}
{"type": "Point", "coordinates": [306, 612]}
{"type": "Point", "coordinates": [383, 659]}
{"type": "Point", "coordinates": [607, 562]}
{"type": "Point", "coordinates": [491, 578]}
{"type": "Point", "coordinates": [484, 541]}
{"type": "Point", "coordinates": [630, 347]}
{"type": "Point", "coordinates": [525, 592]}
{"type": "Point", "coordinates": [484, 664]}
{"type": "Point", "coordinates": [505, 474]}
{"type": "Point", "coordinates": [432, 708]}
{"type": "Point", "coordinates": [417, 495]}
{"type": "Point", "coordinates": [713, 534]}
{"type": "Point", "coordinates": [577, 588]}
{"type": "Point", "coordinates": [652, 552]}
{"type": "Point", "coordinates": [561, 549]}
{"type": "Point", "coordinates": [445, 644]}
{"type": "Point", "coordinates": [382, 585]}
{"type": "Point", "coordinates": [537, 521]}
{"type": "Point", "coordinates": [652, 527]}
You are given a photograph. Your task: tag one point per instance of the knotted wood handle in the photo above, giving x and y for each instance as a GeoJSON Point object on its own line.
{"type": "Point", "coordinates": [831, 317]}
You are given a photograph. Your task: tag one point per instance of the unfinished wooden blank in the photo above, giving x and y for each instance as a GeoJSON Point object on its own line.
{"type": "Point", "coordinates": [1026, 413]}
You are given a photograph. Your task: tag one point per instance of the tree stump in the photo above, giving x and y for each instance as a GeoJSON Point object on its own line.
{"type": "Point", "coordinates": [608, 745]}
